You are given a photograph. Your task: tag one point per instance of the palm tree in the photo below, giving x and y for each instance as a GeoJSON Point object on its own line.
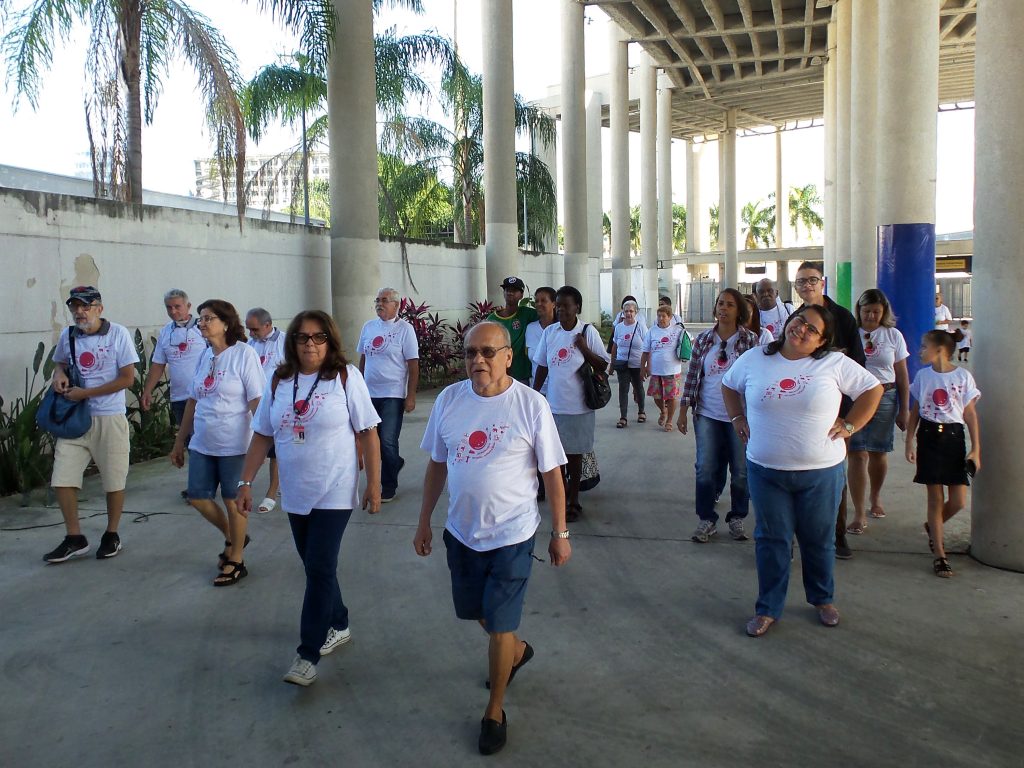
{"type": "Point", "coordinates": [634, 230]}
{"type": "Point", "coordinates": [713, 226]}
{"type": "Point", "coordinates": [804, 204]}
{"type": "Point", "coordinates": [131, 43]}
{"type": "Point", "coordinates": [678, 227]}
{"type": "Point", "coordinates": [758, 225]}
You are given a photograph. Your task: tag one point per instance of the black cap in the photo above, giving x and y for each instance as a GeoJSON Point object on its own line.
{"type": "Point", "coordinates": [86, 294]}
{"type": "Point", "coordinates": [513, 283]}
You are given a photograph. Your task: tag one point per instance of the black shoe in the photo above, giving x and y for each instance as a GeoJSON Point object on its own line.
{"type": "Point", "coordinates": [72, 546]}
{"type": "Point", "coordinates": [843, 551]}
{"type": "Point", "coordinates": [184, 495]}
{"type": "Point", "coordinates": [110, 545]}
{"type": "Point", "coordinates": [388, 495]}
{"type": "Point", "coordinates": [493, 735]}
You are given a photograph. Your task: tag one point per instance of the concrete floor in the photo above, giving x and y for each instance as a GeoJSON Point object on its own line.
{"type": "Point", "coordinates": [641, 657]}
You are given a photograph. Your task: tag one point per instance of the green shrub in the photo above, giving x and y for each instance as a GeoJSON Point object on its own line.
{"type": "Point", "coordinates": [26, 451]}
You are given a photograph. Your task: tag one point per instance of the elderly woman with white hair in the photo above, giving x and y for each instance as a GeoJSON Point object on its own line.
{"type": "Point", "coordinates": [626, 351]}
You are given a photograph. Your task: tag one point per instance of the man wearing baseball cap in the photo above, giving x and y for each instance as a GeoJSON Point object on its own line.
{"type": "Point", "coordinates": [516, 318]}
{"type": "Point", "coordinates": [105, 356]}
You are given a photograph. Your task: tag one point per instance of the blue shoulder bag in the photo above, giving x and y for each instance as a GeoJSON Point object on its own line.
{"type": "Point", "coordinates": [58, 415]}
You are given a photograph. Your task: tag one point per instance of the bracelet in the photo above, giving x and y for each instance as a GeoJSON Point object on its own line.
{"type": "Point", "coordinates": [741, 416]}
{"type": "Point", "coordinates": [560, 534]}
{"type": "Point", "coordinates": [246, 483]}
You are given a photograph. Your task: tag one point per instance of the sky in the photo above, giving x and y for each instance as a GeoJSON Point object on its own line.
{"type": "Point", "coordinates": [52, 138]}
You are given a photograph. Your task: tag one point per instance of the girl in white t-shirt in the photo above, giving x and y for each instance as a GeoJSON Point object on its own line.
{"type": "Point", "coordinates": [626, 351]}
{"type": "Point", "coordinates": [945, 399]}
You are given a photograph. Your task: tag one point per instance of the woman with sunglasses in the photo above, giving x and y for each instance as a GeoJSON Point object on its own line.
{"type": "Point", "coordinates": [782, 401]}
{"type": "Point", "coordinates": [714, 352]}
{"type": "Point", "coordinates": [225, 390]}
{"type": "Point", "coordinates": [886, 352]}
{"type": "Point", "coordinates": [318, 415]}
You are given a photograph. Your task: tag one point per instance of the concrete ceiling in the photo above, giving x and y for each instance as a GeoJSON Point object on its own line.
{"type": "Point", "coordinates": [763, 58]}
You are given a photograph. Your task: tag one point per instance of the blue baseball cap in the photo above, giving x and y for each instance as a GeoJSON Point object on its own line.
{"type": "Point", "coordinates": [86, 294]}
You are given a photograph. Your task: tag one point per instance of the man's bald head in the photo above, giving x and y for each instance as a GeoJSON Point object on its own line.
{"type": "Point", "coordinates": [488, 333]}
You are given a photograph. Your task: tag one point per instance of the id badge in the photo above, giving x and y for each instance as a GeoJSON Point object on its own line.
{"type": "Point", "coordinates": [298, 434]}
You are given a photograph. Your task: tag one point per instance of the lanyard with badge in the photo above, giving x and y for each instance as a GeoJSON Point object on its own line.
{"type": "Point", "coordinates": [300, 408]}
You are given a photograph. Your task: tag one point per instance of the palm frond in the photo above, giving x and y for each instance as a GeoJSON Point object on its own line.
{"type": "Point", "coordinates": [280, 92]}
{"type": "Point", "coordinates": [313, 20]}
{"type": "Point", "coordinates": [397, 60]}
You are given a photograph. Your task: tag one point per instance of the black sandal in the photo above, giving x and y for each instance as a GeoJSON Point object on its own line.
{"type": "Point", "coordinates": [621, 424]}
{"type": "Point", "coordinates": [222, 558]}
{"type": "Point", "coordinates": [237, 573]}
{"type": "Point", "coordinates": [942, 568]}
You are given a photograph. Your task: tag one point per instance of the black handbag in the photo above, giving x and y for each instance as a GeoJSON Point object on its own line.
{"type": "Point", "coordinates": [597, 391]}
{"type": "Point", "coordinates": [58, 415]}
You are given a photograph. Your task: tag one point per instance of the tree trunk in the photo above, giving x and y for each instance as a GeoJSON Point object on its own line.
{"type": "Point", "coordinates": [131, 69]}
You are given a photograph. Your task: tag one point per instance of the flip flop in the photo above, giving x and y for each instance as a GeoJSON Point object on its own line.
{"type": "Point", "coordinates": [641, 418]}
{"type": "Point", "coordinates": [857, 528]}
{"type": "Point", "coordinates": [267, 505]}
{"type": "Point", "coordinates": [877, 512]}
{"type": "Point", "coordinates": [621, 424]}
{"type": "Point", "coordinates": [758, 625]}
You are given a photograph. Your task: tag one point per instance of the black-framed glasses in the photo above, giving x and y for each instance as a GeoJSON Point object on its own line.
{"type": "Point", "coordinates": [302, 339]}
{"type": "Point", "coordinates": [204, 319]}
{"type": "Point", "coordinates": [806, 326]}
{"type": "Point", "coordinates": [800, 282]}
{"type": "Point", "coordinates": [723, 358]}
{"type": "Point", "coordinates": [487, 352]}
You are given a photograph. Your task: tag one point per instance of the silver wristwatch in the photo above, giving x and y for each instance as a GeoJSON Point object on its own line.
{"type": "Point", "coordinates": [850, 429]}
{"type": "Point", "coordinates": [560, 534]}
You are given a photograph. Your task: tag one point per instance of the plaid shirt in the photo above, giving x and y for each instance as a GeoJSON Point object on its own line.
{"type": "Point", "coordinates": [703, 344]}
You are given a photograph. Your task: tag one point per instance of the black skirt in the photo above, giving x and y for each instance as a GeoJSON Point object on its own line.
{"type": "Point", "coordinates": [941, 454]}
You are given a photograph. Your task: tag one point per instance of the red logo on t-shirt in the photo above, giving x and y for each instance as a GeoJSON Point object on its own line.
{"type": "Point", "coordinates": [563, 354]}
{"type": "Point", "coordinates": [787, 387]}
{"type": "Point", "coordinates": [183, 346]}
{"type": "Point", "coordinates": [87, 360]}
{"type": "Point", "coordinates": [263, 359]}
{"type": "Point", "coordinates": [479, 443]}
{"type": "Point", "coordinates": [378, 342]}
{"type": "Point", "coordinates": [770, 328]}
{"type": "Point", "coordinates": [941, 398]}
{"type": "Point", "coordinates": [627, 337]}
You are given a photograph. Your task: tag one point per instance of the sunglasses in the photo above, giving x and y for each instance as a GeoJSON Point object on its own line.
{"type": "Point", "coordinates": [723, 358]}
{"type": "Point", "coordinates": [302, 339]}
{"type": "Point", "coordinates": [869, 345]}
{"type": "Point", "coordinates": [487, 352]}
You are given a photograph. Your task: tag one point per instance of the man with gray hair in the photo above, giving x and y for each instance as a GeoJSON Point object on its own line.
{"type": "Point", "coordinates": [178, 349]}
{"type": "Point", "coordinates": [268, 342]}
{"type": "Point", "coordinates": [389, 359]}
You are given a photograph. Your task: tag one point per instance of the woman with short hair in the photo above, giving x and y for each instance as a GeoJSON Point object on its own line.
{"type": "Point", "coordinates": [783, 403]}
{"type": "Point", "coordinates": [626, 351]}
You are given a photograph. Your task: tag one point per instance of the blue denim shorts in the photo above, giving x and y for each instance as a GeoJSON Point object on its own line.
{"type": "Point", "coordinates": [205, 473]}
{"type": "Point", "coordinates": [877, 434]}
{"type": "Point", "coordinates": [490, 586]}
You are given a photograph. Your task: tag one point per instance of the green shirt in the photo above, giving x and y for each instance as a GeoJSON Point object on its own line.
{"type": "Point", "coordinates": [521, 368]}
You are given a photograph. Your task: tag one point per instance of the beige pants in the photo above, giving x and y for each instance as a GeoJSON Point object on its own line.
{"type": "Point", "coordinates": [106, 443]}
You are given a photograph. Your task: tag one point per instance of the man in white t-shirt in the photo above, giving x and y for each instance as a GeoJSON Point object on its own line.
{"type": "Point", "coordinates": [488, 437]}
{"type": "Point", "coordinates": [389, 359]}
{"type": "Point", "coordinates": [178, 348]}
{"type": "Point", "coordinates": [943, 317]}
{"type": "Point", "coordinates": [105, 357]}
{"type": "Point", "coordinates": [268, 342]}
{"type": "Point", "coordinates": [774, 311]}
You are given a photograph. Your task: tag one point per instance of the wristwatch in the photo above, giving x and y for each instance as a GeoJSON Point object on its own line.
{"type": "Point", "coordinates": [849, 427]}
{"type": "Point", "coordinates": [560, 534]}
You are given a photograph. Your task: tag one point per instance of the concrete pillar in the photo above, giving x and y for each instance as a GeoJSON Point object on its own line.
{"type": "Point", "coordinates": [727, 201]}
{"type": "Point", "coordinates": [547, 154]}
{"type": "Point", "coordinates": [666, 246]}
{"type": "Point", "coordinates": [595, 208]}
{"type": "Point", "coordinates": [619, 119]}
{"type": "Point", "coordinates": [782, 283]}
{"type": "Point", "coordinates": [781, 195]}
{"type": "Point", "coordinates": [649, 182]}
{"type": "Point", "coordinates": [997, 527]}
{"type": "Point", "coordinates": [864, 139]}
{"type": "Point", "coordinates": [829, 249]}
{"type": "Point", "coordinates": [574, 147]}
{"type": "Point", "coordinates": [694, 219]}
{"type": "Point", "coordinates": [355, 233]}
{"type": "Point", "coordinates": [844, 26]}
{"type": "Point", "coordinates": [501, 222]}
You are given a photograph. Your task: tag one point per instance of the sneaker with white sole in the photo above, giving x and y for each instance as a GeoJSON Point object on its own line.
{"type": "Point", "coordinates": [705, 530]}
{"type": "Point", "coordinates": [72, 546]}
{"type": "Point", "coordinates": [335, 637]}
{"type": "Point", "coordinates": [736, 529]}
{"type": "Point", "coordinates": [110, 545]}
{"type": "Point", "coordinates": [302, 672]}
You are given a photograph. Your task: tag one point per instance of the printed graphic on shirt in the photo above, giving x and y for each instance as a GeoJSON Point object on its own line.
{"type": "Point", "coordinates": [561, 357]}
{"type": "Point", "coordinates": [479, 444]}
{"type": "Point", "coordinates": [88, 361]}
{"type": "Point", "coordinates": [943, 401]}
{"type": "Point", "coordinates": [788, 387]}
{"type": "Point", "coordinates": [660, 341]}
{"type": "Point", "coordinates": [305, 410]}
{"type": "Point", "coordinates": [716, 367]}
{"type": "Point", "coordinates": [210, 383]}
{"type": "Point", "coordinates": [379, 343]}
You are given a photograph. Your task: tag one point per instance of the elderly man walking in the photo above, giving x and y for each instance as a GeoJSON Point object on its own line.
{"type": "Point", "coordinates": [269, 344]}
{"type": "Point", "coordinates": [488, 437]}
{"type": "Point", "coordinates": [389, 361]}
{"type": "Point", "coordinates": [105, 356]}
{"type": "Point", "coordinates": [774, 311]}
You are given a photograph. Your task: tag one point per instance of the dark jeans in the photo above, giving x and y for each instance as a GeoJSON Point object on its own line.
{"type": "Point", "coordinates": [391, 411]}
{"type": "Point", "coordinates": [318, 539]}
{"type": "Point", "coordinates": [626, 376]}
{"type": "Point", "coordinates": [718, 447]}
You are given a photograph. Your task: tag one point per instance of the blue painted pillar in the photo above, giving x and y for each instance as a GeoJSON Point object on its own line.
{"type": "Point", "coordinates": [906, 275]}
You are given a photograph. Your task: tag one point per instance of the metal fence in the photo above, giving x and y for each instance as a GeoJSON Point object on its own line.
{"type": "Point", "coordinates": [956, 294]}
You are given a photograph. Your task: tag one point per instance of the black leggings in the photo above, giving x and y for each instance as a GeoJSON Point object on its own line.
{"type": "Point", "coordinates": [627, 375]}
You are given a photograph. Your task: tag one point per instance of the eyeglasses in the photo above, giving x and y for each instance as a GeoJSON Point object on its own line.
{"type": "Point", "coordinates": [800, 282]}
{"type": "Point", "coordinates": [302, 339]}
{"type": "Point", "coordinates": [487, 352]}
{"type": "Point", "coordinates": [868, 344]}
{"type": "Point", "coordinates": [250, 329]}
{"type": "Point", "coordinates": [805, 326]}
{"type": "Point", "coordinates": [723, 358]}
{"type": "Point", "coordinates": [204, 319]}
{"type": "Point", "coordinates": [383, 301]}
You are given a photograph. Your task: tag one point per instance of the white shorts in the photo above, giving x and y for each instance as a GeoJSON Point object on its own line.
{"type": "Point", "coordinates": [106, 443]}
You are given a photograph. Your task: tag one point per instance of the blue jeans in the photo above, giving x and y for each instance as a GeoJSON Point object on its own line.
{"type": "Point", "coordinates": [718, 445]}
{"type": "Point", "coordinates": [802, 503]}
{"type": "Point", "coordinates": [318, 540]}
{"type": "Point", "coordinates": [391, 411]}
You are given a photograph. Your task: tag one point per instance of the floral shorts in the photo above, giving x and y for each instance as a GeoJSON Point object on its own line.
{"type": "Point", "coordinates": [664, 387]}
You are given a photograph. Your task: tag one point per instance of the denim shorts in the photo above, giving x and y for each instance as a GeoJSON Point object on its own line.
{"type": "Point", "coordinates": [205, 473]}
{"type": "Point", "coordinates": [877, 434]}
{"type": "Point", "coordinates": [490, 586]}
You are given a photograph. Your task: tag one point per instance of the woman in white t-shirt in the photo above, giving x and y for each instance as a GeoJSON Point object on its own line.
{"type": "Point", "coordinates": [660, 362]}
{"type": "Point", "coordinates": [224, 392]}
{"type": "Point", "coordinates": [317, 413]}
{"type": "Point", "coordinates": [886, 353]}
{"type": "Point", "coordinates": [626, 351]}
{"type": "Point", "coordinates": [783, 401]}
{"type": "Point", "coordinates": [945, 400]}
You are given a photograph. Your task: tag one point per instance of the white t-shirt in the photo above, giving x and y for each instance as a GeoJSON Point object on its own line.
{"type": "Point", "coordinates": [388, 345]}
{"type": "Point", "coordinates": [792, 405]}
{"type": "Point", "coordinates": [887, 347]}
{"type": "Point", "coordinates": [563, 360]}
{"type": "Point", "coordinates": [494, 447]}
{"type": "Point", "coordinates": [533, 333]}
{"type": "Point", "coordinates": [222, 387]}
{"type": "Point", "coordinates": [942, 313]}
{"type": "Point", "coordinates": [765, 337]}
{"type": "Point", "coordinates": [320, 469]}
{"type": "Point", "coordinates": [774, 320]}
{"type": "Point", "coordinates": [629, 343]}
{"type": "Point", "coordinates": [965, 342]}
{"type": "Point", "coordinates": [270, 351]}
{"type": "Point", "coordinates": [710, 403]}
{"type": "Point", "coordinates": [179, 348]}
{"type": "Point", "coordinates": [942, 397]}
{"type": "Point", "coordinates": [100, 359]}
{"type": "Point", "coordinates": [662, 343]}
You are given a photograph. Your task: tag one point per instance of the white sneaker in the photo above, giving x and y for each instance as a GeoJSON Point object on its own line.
{"type": "Point", "coordinates": [335, 637]}
{"type": "Point", "coordinates": [302, 672]}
